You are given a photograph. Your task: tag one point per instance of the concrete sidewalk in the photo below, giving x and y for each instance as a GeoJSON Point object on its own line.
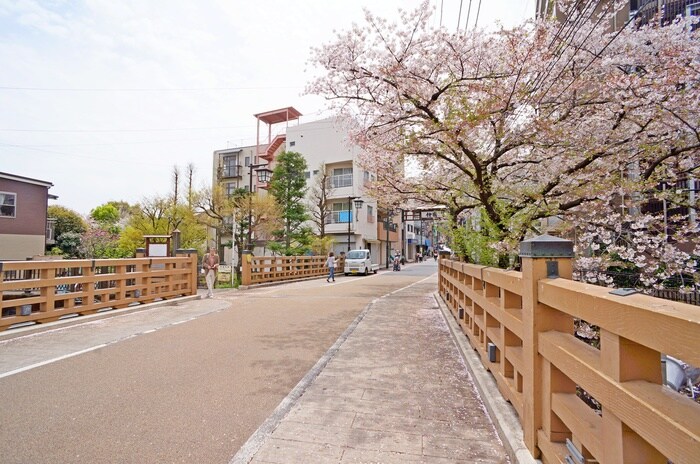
{"type": "Point", "coordinates": [393, 389]}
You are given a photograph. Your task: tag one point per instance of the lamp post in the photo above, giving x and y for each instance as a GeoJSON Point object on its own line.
{"type": "Point", "coordinates": [264, 175]}
{"type": "Point", "coordinates": [387, 223]}
{"type": "Point", "coordinates": [358, 204]}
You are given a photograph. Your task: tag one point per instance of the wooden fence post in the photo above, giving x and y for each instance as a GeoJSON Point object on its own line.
{"type": "Point", "coordinates": [624, 360]}
{"type": "Point", "coordinates": [542, 257]}
{"type": "Point", "coordinates": [192, 265]}
{"type": "Point", "coordinates": [246, 268]}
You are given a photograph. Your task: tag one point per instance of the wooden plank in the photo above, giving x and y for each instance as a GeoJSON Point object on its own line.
{"type": "Point", "coordinates": [508, 280]}
{"type": "Point", "coordinates": [552, 452]}
{"type": "Point", "coordinates": [583, 422]}
{"type": "Point", "coordinates": [514, 355]}
{"type": "Point", "coordinates": [667, 420]}
{"type": "Point", "coordinates": [665, 326]}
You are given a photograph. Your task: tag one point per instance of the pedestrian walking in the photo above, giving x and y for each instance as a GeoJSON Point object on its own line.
{"type": "Point", "coordinates": [210, 264]}
{"type": "Point", "coordinates": [330, 263]}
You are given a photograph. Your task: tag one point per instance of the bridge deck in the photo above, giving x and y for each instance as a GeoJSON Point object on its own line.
{"type": "Point", "coordinates": [192, 382]}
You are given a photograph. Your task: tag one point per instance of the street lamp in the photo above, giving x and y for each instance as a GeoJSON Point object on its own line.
{"type": "Point", "coordinates": [264, 175]}
{"type": "Point", "coordinates": [358, 204]}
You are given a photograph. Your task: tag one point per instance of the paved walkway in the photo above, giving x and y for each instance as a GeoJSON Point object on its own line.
{"type": "Point", "coordinates": [393, 389]}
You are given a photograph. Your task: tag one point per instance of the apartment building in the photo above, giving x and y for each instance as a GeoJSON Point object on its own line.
{"type": "Point", "coordinates": [24, 227]}
{"type": "Point", "coordinates": [353, 216]}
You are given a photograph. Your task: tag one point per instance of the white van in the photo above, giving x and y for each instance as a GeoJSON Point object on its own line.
{"type": "Point", "coordinates": [359, 262]}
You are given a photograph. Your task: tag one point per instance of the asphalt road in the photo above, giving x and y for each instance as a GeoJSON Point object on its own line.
{"type": "Point", "coordinates": [161, 388]}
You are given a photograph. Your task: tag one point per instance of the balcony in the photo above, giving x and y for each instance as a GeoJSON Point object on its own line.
{"type": "Point", "coordinates": [231, 171]}
{"type": "Point", "coordinates": [340, 181]}
{"type": "Point", "coordinates": [339, 217]}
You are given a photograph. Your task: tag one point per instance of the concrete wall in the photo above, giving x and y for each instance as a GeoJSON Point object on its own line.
{"type": "Point", "coordinates": [20, 247]}
{"type": "Point", "coordinates": [25, 234]}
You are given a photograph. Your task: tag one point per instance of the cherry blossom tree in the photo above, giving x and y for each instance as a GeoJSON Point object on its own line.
{"type": "Point", "coordinates": [548, 119]}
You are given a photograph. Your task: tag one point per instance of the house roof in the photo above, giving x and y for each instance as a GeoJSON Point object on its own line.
{"type": "Point", "coordinates": [26, 180]}
{"type": "Point", "coordinates": [280, 115]}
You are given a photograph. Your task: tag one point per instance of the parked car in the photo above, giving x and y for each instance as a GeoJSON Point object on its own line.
{"type": "Point", "coordinates": [359, 262]}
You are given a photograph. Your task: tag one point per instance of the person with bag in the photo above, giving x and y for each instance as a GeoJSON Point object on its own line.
{"type": "Point", "coordinates": [330, 262]}
{"type": "Point", "coordinates": [210, 264]}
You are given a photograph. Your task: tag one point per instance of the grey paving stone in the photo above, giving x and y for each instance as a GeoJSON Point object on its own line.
{"type": "Point", "coordinates": [396, 391]}
{"type": "Point", "coordinates": [292, 452]}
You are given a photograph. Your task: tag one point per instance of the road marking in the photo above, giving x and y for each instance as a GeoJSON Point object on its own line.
{"type": "Point", "coordinates": [60, 358]}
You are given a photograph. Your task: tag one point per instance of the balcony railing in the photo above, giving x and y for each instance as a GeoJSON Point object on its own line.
{"type": "Point", "coordinates": [231, 171]}
{"type": "Point", "coordinates": [343, 180]}
{"type": "Point", "coordinates": [339, 217]}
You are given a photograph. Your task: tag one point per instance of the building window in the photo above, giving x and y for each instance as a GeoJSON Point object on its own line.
{"type": "Point", "coordinates": [342, 177]}
{"type": "Point", "coordinates": [370, 213]}
{"type": "Point", "coordinates": [231, 166]}
{"type": "Point", "coordinates": [315, 172]}
{"type": "Point", "coordinates": [339, 214]}
{"type": "Point", "coordinates": [247, 160]}
{"type": "Point", "coordinates": [8, 204]}
{"type": "Point", "coordinates": [307, 175]}
{"type": "Point", "coordinates": [230, 188]}
{"type": "Point", "coordinates": [292, 143]}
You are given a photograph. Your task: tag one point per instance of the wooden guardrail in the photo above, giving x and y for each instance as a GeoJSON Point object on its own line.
{"type": "Point", "coordinates": [263, 269]}
{"type": "Point", "coordinates": [44, 291]}
{"type": "Point", "coordinates": [522, 326]}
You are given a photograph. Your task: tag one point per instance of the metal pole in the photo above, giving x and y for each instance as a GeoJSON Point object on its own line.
{"type": "Point", "coordinates": [386, 227]}
{"type": "Point", "coordinates": [663, 188]}
{"type": "Point", "coordinates": [692, 213]}
{"type": "Point", "coordinates": [250, 206]}
{"type": "Point", "coordinates": [349, 212]}
{"type": "Point", "coordinates": [233, 248]}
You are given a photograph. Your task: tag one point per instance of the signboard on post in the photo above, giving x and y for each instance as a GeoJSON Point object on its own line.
{"type": "Point", "coordinates": [423, 214]}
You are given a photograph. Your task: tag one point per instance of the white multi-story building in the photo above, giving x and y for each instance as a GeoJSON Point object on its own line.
{"type": "Point", "coordinates": [325, 143]}
{"type": "Point", "coordinates": [354, 220]}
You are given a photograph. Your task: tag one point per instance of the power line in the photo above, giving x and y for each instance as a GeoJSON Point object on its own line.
{"type": "Point", "coordinates": [469, 10]}
{"type": "Point", "coordinates": [459, 16]}
{"type": "Point", "coordinates": [74, 155]}
{"type": "Point", "coordinates": [140, 89]}
{"type": "Point", "coordinates": [477, 15]}
{"type": "Point", "coordinates": [172, 129]}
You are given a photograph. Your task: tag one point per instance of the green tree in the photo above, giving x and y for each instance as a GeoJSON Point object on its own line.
{"type": "Point", "coordinates": [67, 220]}
{"type": "Point", "coordinates": [288, 187]}
{"type": "Point", "coordinates": [160, 215]}
{"type": "Point", "coordinates": [69, 226]}
{"type": "Point", "coordinates": [105, 215]}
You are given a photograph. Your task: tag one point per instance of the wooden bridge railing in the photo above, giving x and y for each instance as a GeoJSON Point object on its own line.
{"type": "Point", "coordinates": [263, 269]}
{"type": "Point", "coordinates": [44, 291]}
{"type": "Point", "coordinates": [522, 326]}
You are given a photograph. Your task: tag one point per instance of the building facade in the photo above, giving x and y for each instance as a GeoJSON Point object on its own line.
{"type": "Point", "coordinates": [24, 225]}
{"type": "Point", "coordinates": [353, 217]}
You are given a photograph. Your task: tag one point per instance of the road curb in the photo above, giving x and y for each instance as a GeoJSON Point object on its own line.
{"type": "Point", "coordinates": [253, 444]}
{"type": "Point", "coordinates": [503, 416]}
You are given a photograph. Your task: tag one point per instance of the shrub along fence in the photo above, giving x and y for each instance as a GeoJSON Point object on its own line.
{"type": "Point", "coordinates": [522, 326]}
{"type": "Point", "coordinates": [264, 269]}
{"type": "Point", "coordinates": [44, 291]}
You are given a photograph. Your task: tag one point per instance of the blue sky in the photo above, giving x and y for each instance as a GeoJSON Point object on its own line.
{"type": "Point", "coordinates": [102, 98]}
